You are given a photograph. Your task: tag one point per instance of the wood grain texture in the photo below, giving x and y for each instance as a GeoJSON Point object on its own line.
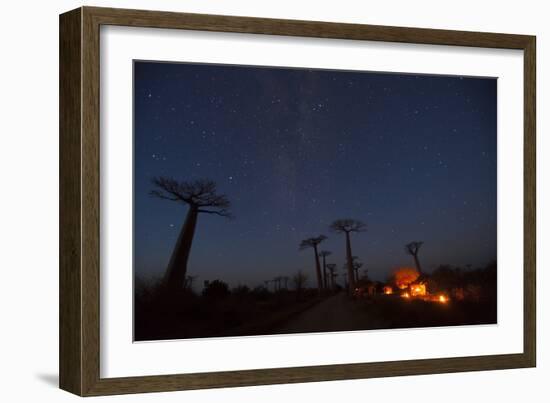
{"type": "Point", "coordinates": [221, 23]}
{"type": "Point", "coordinates": [80, 196]}
{"type": "Point", "coordinates": [161, 383]}
{"type": "Point", "coordinates": [530, 203]}
{"type": "Point", "coordinates": [70, 314]}
{"type": "Point", "coordinates": [90, 202]}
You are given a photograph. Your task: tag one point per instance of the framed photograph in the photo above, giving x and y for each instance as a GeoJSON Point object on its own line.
{"type": "Point", "coordinates": [251, 201]}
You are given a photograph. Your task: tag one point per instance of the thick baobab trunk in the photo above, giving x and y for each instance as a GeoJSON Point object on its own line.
{"type": "Point", "coordinates": [177, 267]}
{"type": "Point", "coordinates": [417, 263]}
{"type": "Point", "coordinates": [318, 270]}
{"type": "Point", "coordinates": [351, 274]}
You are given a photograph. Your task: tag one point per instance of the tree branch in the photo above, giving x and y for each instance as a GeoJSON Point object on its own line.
{"type": "Point", "coordinates": [198, 193]}
{"type": "Point", "coordinates": [312, 242]}
{"type": "Point", "coordinates": [161, 195]}
{"type": "Point", "coordinates": [221, 213]}
{"type": "Point", "coordinates": [347, 225]}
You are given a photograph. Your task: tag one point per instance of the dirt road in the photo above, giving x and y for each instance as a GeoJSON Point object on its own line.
{"type": "Point", "coordinates": [337, 313]}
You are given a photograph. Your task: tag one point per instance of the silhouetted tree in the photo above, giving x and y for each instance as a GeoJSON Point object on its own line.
{"type": "Point", "coordinates": [277, 283]}
{"type": "Point", "coordinates": [285, 280]}
{"type": "Point", "coordinates": [299, 280]}
{"type": "Point", "coordinates": [241, 291]}
{"type": "Point", "coordinates": [314, 243]}
{"type": "Point", "coordinates": [412, 249]}
{"type": "Point", "coordinates": [189, 282]}
{"type": "Point", "coordinates": [200, 196]}
{"type": "Point", "coordinates": [346, 227]}
{"type": "Point", "coordinates": [324, 254]}
{"type": "Point", "coordinates": [260, 293]}
{"type": "Point", "coordinates": [331, 267]}
{"type": "Point", "coordinates": [357, 264]}
{"type": "Point", "coordinates": [215, 289]}
{"type": "Point", "coordinates": [345, 275]}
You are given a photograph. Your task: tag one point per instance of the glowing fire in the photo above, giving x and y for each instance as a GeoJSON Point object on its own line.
{"type": "Point", "coordinates": [405, 279]}
{"type": "Point", "coordinates": [418, 290]}
{"type": "Point", "coordinates": [441, 298]}
{"type": "Point", "coordinates": [405, 276]}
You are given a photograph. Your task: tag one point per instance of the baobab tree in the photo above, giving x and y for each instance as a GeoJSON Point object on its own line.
{"type": "Point", "coordinates": [299, 280]}
{"type": "Point", "coordinates": [277, 283]}
{"type": "Point", "coordinates": [324, 254]}
{"type": "Point", "coordinates": [412, 249]}
{"type": "Point", "coordinates": [357, 264]}
{"type": "Point", "coordinates": [347, 226]}
{"type": "Point", "coordinates": [314, 243]}
{"type": "Point", "coordinates": [331, 267]}
{"type": "Point", "coordinates": [200, 196]}
{"type": "Point", "coordinates": [285, 280]}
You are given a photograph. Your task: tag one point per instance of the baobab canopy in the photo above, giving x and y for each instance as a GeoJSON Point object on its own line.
{"type": "Point", "coordinates": [348, 225]}
{"type": "Point", "coordinates": [201, 194]}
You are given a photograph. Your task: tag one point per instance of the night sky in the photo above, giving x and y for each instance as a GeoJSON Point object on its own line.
{"type": "Point", "coordinates": [413, 156]}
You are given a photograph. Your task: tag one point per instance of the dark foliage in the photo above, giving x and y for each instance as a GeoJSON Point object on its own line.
{"type": "Point", "coordinates": [215, 289]}
{"type": "Point", "coordinates": [465, 284]}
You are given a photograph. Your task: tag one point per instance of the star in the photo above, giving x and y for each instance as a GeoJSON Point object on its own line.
{"type": "Point", "coordinates": [384, 157]}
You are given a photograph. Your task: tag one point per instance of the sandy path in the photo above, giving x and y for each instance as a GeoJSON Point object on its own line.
{"type": "Point", "coordinates": [337, 313]}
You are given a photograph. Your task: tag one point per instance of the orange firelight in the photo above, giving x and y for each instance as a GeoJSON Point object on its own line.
{"type": "Point", "coordinates": [404, 276]}
{"type": "Point", "coordinates": [388, 290]}
{"type": "Point", "coordinates": [418, 290]}
{"type": "Point", "coordinates": [443, 299]}
{"type": "Point", "coordinates": [405, 295]}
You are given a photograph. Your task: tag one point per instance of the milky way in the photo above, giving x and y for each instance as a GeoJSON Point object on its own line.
{"type": "Point", "coordinates": [413, 156]}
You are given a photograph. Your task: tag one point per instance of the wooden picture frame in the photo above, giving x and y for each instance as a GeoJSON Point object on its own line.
{"type": "Point", "coordinates": [79, 201]}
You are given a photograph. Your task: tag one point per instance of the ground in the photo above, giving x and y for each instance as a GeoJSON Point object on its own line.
{"type": "Point", "coordinates": [336, 313]}
{"type": "Point", "coordinates": [341, 313]}
{"type": "Point", "coordinates": [327, 313]}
